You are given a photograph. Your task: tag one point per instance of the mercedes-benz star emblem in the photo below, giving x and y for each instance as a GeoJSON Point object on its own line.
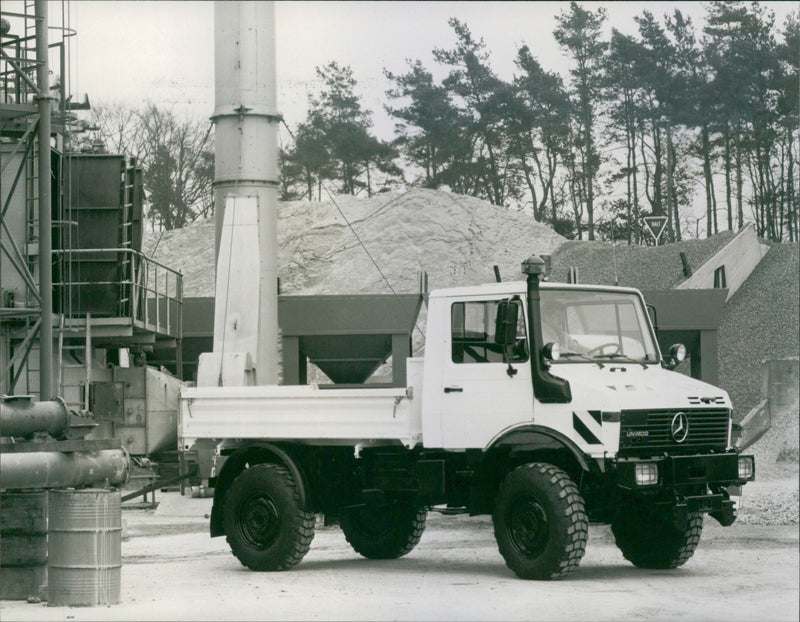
{"type": "Point", "coordinates": [679, 428]}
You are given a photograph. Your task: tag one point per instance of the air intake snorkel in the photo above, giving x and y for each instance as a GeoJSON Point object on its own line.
{"type": "Point", "coordinates": [547, 388]}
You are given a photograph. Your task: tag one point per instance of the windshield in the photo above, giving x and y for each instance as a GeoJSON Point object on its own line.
{"type": "Point", "coordinates": [597, 325]}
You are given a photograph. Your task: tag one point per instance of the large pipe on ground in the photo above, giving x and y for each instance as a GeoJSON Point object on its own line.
{"type": "Point", "coordinates": [52, 469]}
{"type": "Point", "coordinates": [246, 148]}
{"type": "Point", "coordinates": [23, 417]}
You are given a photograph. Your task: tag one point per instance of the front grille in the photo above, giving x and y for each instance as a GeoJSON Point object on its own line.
{"type": "Point", "coordinates": [649, 431]}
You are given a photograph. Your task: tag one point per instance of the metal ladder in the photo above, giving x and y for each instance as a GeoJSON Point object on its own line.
{"type": "Point", "coordinates": [126, 240]}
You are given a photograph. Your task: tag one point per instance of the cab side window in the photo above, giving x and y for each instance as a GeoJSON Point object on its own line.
{"type": "Point", "coordinates": [473, 338]}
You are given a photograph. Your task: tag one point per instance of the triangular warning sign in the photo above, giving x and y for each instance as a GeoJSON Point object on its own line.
{"type": "Point", "coordinates": [656, 225]}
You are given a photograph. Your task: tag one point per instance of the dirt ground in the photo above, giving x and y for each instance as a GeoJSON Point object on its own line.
{"type": "Point", "coordinates": [172, 570]}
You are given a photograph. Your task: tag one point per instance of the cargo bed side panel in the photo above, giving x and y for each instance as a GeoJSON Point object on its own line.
{"type": "Point", "coordinates": [299, 413]}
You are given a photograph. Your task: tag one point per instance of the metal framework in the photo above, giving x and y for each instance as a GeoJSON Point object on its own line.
{"type": "Point", "coordinates": [37, 124]}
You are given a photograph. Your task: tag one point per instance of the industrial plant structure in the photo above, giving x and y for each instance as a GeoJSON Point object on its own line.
{"type": "Point", "coordinates": [81, 310]}
{"type": "Point", "coordinates": [77, 295]}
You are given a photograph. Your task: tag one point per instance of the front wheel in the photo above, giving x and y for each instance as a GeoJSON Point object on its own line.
{"type": "Point", "coordinates": [540, 522]}
{"type": "Point", "coordinates": [385, 532]}
{"type": "Point", "coordinates": [651, 540]}
{"type": "Point", "coordinates": [265, 525]}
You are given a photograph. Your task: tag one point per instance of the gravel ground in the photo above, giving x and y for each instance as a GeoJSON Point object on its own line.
{"type": "Point", "coordinates": [172, 570]}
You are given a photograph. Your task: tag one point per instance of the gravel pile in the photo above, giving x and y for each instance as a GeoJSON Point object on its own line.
{"type": "Point", "coordinates": [651, 267]}
{"type": "Point", "coordinates": [760, 321]}
{"type": "Point", "coordinates": [776, 452]}
{"type": "Point", "coordinates": [772, 501]}
{"type": "Point", "coordinates": [773, 498]}
{"type": "Point", "coordinates": [773, 505]}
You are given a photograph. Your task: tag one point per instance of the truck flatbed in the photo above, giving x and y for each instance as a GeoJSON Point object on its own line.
{"type": "Point", "coordinates": [302, 413]}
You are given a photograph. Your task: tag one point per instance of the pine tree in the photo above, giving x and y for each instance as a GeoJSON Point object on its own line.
{"type": "Point", "coordinates": [579, 33]}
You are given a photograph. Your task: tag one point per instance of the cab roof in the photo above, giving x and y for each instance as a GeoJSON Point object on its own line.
{"type": "Point", "coordinates": [511, 288]}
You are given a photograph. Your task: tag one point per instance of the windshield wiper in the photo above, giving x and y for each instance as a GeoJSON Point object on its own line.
{"type": "Point", "coordinates": [583, 357]}
{"type": "Point", "coordinates": [622, 358]}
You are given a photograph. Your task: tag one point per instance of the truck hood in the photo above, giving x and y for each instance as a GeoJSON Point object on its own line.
{"type": "Point", "coordinates": [632, 387]}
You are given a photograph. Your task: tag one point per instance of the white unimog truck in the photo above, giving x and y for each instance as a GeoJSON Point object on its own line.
{"type": "Point", "coordinates": [548, 406]}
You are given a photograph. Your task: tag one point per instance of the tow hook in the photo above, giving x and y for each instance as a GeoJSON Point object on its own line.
{"type": "Point", "coordinates": [726, 516]}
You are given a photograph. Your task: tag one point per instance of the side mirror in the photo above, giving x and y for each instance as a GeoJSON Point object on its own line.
{"type": "Point", "coordinates": [505, 329]}
{"type": "Point", "coordinates": [677, 353]}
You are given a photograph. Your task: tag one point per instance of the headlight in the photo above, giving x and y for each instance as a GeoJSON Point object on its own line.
{"type": "Point", "coordinates": [747, 468]}
{"type": "Point", "coordinates": [677, 352]}
{"type": "Point", "coordinates": [646, 473]}
{"type": "Point", "coordinates": [552, 351]}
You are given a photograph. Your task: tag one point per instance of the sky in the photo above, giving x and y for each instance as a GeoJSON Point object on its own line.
{"type": "Point", "coordinates": [163, 51]}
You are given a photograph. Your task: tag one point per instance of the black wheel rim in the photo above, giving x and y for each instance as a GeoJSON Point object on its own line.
{"type": "Point", "coordinates": [375, 522]}
{"type": "Point", "coordinates": [258, 521]}
{"type": "Point", "coordinates": [528, 527]}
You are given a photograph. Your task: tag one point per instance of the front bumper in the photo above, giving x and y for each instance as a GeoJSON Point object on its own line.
{"type": "Point", "coordinates": [682, 473]}
{"type": "Point", "coordinates": [687, 484]}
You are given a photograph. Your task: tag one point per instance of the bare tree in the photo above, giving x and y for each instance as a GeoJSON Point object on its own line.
{"type": "Point", "coordinates": [175, 154]}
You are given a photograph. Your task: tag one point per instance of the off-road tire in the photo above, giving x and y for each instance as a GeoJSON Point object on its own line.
{"type": "Point", "coordinates": [540, 522]}
{"type": "Point", "coordinates": [385, 532]}
{"type": "Point", "coordinates": [651, 540]}
{"type": "Point", "coordinates": [265, 524]}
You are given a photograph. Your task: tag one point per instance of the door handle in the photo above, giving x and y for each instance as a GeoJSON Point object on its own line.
{"type": "Point", "coordinates": [453, 390]}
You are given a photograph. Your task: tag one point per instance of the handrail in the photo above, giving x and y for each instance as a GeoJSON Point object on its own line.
{"type": "Point", "coordinates": [79, 251]}
{"type": "Point", "coordinates": [147, 288]}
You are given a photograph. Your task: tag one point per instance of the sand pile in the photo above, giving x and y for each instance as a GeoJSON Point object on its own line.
{"type": "Point", "coordinates": [455, 238]}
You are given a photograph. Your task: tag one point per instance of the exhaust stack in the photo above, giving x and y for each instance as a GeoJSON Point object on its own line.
{"type": "Point", "coordinates": [547, 388]}
{"type": "Point", "coordinates": [245, 196]}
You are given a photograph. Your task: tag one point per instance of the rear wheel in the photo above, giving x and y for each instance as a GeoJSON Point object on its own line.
{"type": "Point", "coordinates": [383, 532]}
{"type": "Point", "coordinates": [266, 527]}
{"type": "Point", "coordinates": [540, 523]}
{"type": "Point", "coordinates": [649, 539]}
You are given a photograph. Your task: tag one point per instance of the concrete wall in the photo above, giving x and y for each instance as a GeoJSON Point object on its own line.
{"type": "Point", "coordinates": [739, 256]}
{"type": "Point", "coordinates": [781, 384]}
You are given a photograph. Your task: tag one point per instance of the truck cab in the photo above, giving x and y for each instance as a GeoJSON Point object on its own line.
{"type": "Point", "coordinates": [599, 340]}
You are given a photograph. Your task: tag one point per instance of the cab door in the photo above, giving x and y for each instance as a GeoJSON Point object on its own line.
{"type": "Point", "coordinates": [484, 392]}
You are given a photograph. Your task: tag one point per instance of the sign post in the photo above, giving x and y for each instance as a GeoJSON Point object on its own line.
{"type": "Point", "coordinates": [655, 225]}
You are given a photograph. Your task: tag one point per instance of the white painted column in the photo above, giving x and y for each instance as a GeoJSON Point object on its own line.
{"type": "Point", "coordinates": [246, 147]}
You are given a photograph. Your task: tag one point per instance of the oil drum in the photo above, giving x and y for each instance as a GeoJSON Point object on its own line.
{"type": "Point", "coordinates": [84, 547]}
{"type": "Point", "coordinates": [23, 544]}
